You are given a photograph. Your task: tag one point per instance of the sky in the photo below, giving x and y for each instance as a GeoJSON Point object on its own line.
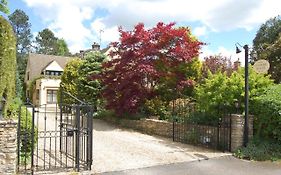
{"type": "Point", "coordinates": [218, 23]}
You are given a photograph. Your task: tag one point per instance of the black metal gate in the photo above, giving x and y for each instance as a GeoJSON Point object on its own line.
{"type": "Point", "coordinates": [190, 126]}
{"type": "Point", "coordinates": [216, 136]}
{"type": "Point", "coordinates": [55, 137]}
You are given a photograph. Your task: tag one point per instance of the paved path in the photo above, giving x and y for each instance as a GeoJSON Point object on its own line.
{"type": "Point", "coordinates": [226, 165]}
{"type": "Point", "coordinates": [118, 149]}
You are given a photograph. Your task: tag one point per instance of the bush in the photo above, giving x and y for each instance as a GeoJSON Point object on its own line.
{"type": "Point", "coordinates": [267, 110]}
{"type": "Point", "coordinates": [156, 107]}
{"type": "Point", "coordinates": [260, 150]}
{"type": "Point", "coordinates": [218, 89]}
{"type": "Point", "coordinates": [26, 126]}
{"type": "Point", "coordinates": [7, 62]}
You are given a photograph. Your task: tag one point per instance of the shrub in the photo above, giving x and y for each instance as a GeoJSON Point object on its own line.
{"type": "Point", "coordinates": [156, 107]}
{"type": "Point", "coordinates": [260, 150]}
{"type": "Point", "coordinates": [219, 89]}
{"type": "Point", "coordinates": [26, 125]}
{"type": "Point", "coordinates": [7, 62]}
{"type": "Point", "coordinates": [69, 80]}
{"type": "Point", "coordinates": [267, 111]}
{"type": "Point", "coordinates": [26, 132]}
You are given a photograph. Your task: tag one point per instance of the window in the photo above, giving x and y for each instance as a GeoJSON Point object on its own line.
{"type": "Point", "coordinates": [52, 96]}
{"type": "Point", "coordinates": [53, 73]}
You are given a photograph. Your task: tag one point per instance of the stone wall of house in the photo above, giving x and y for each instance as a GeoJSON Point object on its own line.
{"type": "Point", "coordinates": [237, 130]}
{"type": "Point", "coordinates": [8, 146]}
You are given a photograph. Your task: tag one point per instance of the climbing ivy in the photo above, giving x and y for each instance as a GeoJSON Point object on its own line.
{"type": "Point", "coordinates": [7, 62]}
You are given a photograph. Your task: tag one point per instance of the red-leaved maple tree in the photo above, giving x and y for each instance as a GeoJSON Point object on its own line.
{"type": "Point", "coordinates": [141, 58]}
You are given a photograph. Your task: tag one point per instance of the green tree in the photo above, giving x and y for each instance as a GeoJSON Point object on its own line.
{"type": "Point", "coordinates": [267, 45]}
{"type": "Point", "coordinates": [69, 79]}
{"type": "Point", "coordinates": [267, 110]}
{"type": "Point", "coordinates": [219, 89]}
{"type": "Point", "coordinates": [48, 43]}
{"type": "Point", "coordinates": [90, 89]}
{"type": "Point", "coordinates": [61, 48]}
{"type": "Point", "coordinates": [4, 6]}
{"type": "Point", "coordinates": [7, 61]}
{"type": "Point", "coordinates": [21, 25]}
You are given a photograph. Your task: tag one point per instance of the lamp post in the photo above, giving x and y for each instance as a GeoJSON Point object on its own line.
{"type": "Point", "coordinates": [2, 105]}
{"type": "Point", "coordinates": [246, 123]}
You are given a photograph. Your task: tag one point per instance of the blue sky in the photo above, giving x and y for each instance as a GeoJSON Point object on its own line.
{"type": "Point", "coordinates": [219, 23]}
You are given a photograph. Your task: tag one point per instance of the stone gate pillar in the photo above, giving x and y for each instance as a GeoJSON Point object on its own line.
{"type": "Point", "coordinates": [8, 146]}
{"type": "Point", "coordinates": [237, 130]}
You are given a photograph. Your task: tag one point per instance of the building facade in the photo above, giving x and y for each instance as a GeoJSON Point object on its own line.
{"type": "Point", "coordinates": [42, 78]}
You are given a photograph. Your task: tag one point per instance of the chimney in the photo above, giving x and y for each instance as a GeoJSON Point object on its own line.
{"type": "Point", "coordinates": [95, 46]}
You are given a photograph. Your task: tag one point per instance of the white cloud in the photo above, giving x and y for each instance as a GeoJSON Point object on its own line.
{"type": "Point", "coordinates": [200, 31]}
{"type": "Point", "coordinates": [74, 20]}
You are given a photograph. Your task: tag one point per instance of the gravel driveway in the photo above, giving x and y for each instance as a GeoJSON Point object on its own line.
{"type": "Point", "coordinates": [118, 149]}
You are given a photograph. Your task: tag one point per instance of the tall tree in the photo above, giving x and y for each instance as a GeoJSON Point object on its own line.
{"type": "Point", "coordinates": [61, 48]}
{"type": "Point", "coordinates": [48, 43]}
{"type": "Point", "coordinates": [4, 6]}
{"type": "Point", "coordinates": [142, 57]}
{"type": "Point", "coordinates": [89, 89]}
{"type": "Point", "coordinates": [266, 45]}
{"type": "Point", "coordinates": [21, 26]}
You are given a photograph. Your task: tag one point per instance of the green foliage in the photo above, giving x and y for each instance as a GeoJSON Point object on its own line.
{"type": "Point", "coordinates": [61, 48]}
{"type": "Point", "coordinates": [48, 43]}
{"type": "Point", "coordinates": [4, 6]}
{"type": "Point", "coordinates": [69, 80]}
{"type": "Point", "coordinates": [89, 88]}
{"type": "Point", "coordinates": [13, 110]}
{"type": "Point", "coordinates": [219, 89]}
{"type": "Point", "coordinates": [267, 44]}
{"type": "Point", "coordinates": [267, 110]}
{"type": "Point", "coordinates": [26, 130]}
{"type": "Point", "coordinates": [260, 150]}
{"type": "Point", "coordinates": [168, 87]}
{"type": "Point", "coordinates": [7, 61]}
{"type": "Point", "coordinates": [157, 107]}
{"type": "Point", "coordinates": [22, 28]}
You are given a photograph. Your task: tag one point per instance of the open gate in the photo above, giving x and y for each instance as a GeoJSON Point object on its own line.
{"type": "Point", "coordinates": [55, 137]}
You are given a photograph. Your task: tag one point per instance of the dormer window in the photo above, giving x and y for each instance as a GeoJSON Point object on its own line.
{"type": "Point", "coordinates": [52, 69]}
{"type": "Point", "coordinates": [53, 73]}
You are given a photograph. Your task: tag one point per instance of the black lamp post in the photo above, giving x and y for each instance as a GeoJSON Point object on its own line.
{"type": "Point", "coordinates": [246, 124]}
{"type": "Point", "coordinates": [2, 105]}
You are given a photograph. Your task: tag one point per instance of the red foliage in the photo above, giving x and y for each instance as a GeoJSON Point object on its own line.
{"type": "Point", "coordinates": [139, 53]}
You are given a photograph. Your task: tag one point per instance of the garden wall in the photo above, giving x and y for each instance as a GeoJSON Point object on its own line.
{"type": "Point", "coordinates": [149, 126]}
{"type": "Point", "coordinates": [165, 129]}
{"type": "Point", "coordinates": [8, 147]}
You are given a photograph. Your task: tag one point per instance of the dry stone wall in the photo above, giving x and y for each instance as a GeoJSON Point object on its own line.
{"type": "Point", "coordinates": [8, 147]}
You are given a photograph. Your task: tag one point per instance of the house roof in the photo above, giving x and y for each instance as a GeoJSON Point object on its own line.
{"type": "Point", "coordinates": [37, 62]}
{"type": "Point", "coordinates": [53, 66]}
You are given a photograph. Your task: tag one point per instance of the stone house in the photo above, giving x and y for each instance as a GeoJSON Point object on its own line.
{"type": "Point", "coordinates": [42, 77]}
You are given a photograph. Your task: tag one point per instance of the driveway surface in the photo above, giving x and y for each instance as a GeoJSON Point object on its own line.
{"type": "Point", "coordinates": [116, 149]}
{"type": "Point", "coordinates": [226, 165]}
